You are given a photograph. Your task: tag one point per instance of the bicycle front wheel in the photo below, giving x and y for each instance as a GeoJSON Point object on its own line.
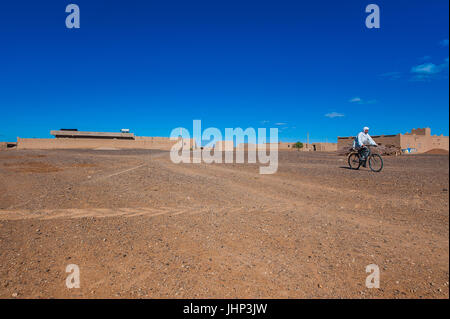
{"type": "Point", "coordinates": [375, 163]}
{"type": "Point", "coordinates": [353, 161]}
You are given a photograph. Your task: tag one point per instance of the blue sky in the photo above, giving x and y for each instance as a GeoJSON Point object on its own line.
{"type": "Point", "coordinates": [152, 66]}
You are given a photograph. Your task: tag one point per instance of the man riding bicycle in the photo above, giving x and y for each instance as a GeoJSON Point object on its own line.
{"type": "Point", "coordinates": [360, 143]}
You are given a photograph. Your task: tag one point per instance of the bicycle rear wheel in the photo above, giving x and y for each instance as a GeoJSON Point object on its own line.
{"type": "Point", "coordinates": [375, 163]}
{"type": "Point", "coordinates": [353, 161]}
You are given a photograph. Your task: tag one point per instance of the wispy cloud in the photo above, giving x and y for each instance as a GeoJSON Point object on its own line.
{"type": "Point", "coordinates": [264, 122]}
{"type": "Point", "coordinates": [355, 100]}
{"type": "Point", "coordinates": [428, 71]}
{"type": "Point", "coordinates": [426, 68]}
{"type": "Point", "coordinates": [280, 124]}
{"type": "Point", "coordinates": [425, 71]}
{"type": "Point", "coordinates": [359, 100]}
{"type": "Point", "coordinates": [332, 115]}
{"type": "Point", "coordinates": [444, 43]}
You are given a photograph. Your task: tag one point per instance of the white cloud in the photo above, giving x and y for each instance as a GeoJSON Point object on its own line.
{"type": "Point", "coordinates": [428, 71]}
{"type": "Point", "coordinates": [280, 124]}
{"type": "Point", "coordinates": [426, 68]}
{"type": "Point", "coordinates": [334, 114]}
{"type": "Point", "coordinates": [355, 100]}
{"type": "Point", "coordinates": [359, 100]}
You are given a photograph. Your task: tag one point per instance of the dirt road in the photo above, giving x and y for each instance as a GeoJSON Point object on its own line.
{"type": "Point", "coordinates": [139, 226]}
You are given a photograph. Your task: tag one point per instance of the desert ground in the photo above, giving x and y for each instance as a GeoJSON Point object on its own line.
{"type": "Point", "coordinates": [139, 226]}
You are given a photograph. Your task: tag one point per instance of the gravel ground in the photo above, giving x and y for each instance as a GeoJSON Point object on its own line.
{"type": "Point", "coordinates": [139, 226]}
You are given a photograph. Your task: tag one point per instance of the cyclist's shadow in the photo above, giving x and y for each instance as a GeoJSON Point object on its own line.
{"type": "Point", "coordinates": [349, 168]}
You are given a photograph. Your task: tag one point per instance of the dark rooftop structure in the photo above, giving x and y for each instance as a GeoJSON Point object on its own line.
{"type": "Point", "coordinates": [100, 135]}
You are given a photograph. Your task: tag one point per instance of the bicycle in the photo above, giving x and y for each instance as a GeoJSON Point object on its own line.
{"type": "Point", "coordinates": [375, 160]}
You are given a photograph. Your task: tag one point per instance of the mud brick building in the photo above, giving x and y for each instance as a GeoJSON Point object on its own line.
{"type": "Point", "coordinates": [73, 139]}
{"type": "Point", "coordinates": [417, 141]}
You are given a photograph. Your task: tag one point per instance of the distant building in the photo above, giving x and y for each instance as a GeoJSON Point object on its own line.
{"type": "Point", "coordinates": [311, 147]}
{"type": "Point", "coordinates": [102, 135]}
{"type": "Point", "coordinates": [417, 141]}
{"type": "Point", "coordinates": [73, 139]}
{"type": "Point", "coordinates": [287, 146]}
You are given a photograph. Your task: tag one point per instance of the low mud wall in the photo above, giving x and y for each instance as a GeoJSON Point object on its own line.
{"type": "Point", "coordinates": [88, 143]}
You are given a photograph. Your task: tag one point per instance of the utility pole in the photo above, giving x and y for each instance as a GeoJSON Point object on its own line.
{"type": "Point", "coordinates": [307, 140]}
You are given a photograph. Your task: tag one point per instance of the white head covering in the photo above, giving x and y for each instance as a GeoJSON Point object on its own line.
{"type": "Point", "coordinates": [365, 128]}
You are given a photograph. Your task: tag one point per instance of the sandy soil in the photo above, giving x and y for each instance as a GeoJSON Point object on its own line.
{"type": "Point", "coordinates": [140, 226]}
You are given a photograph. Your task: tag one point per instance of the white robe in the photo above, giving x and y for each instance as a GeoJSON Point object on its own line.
{"type": "Point", "coordinates": [363, 139]}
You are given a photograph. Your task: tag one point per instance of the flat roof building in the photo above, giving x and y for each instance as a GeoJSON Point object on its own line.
{"type": "Point", "coordinates": [81, 134]}
{"type": "Point", "coordinates": [417, 141]}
